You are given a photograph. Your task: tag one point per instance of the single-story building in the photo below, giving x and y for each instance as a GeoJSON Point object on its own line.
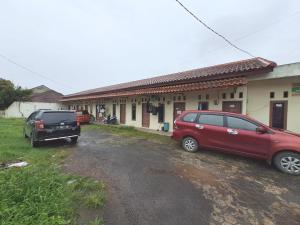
{"type": "Point", "coordinates": [256, 87]}
{"type": "Point", "coordinates": [42, 97]}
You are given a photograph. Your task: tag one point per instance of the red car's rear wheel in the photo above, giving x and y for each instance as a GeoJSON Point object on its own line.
{"type": "Point", "coordinates": [190, 144]}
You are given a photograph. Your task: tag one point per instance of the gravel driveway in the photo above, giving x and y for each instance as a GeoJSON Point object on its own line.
{"type": "Point", "coordinates": [159, 184]}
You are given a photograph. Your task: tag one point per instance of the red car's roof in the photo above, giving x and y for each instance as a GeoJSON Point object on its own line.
{"type": "Point", "coordinates": [215, 112]}
{"type": "Point", "coordinates": [226, 113]}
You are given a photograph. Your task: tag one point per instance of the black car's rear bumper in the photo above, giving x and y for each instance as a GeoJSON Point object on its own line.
{"type": "Point", "coordinates": [58, 138]}
{"type": "Point", "coordinates": [49, 135]}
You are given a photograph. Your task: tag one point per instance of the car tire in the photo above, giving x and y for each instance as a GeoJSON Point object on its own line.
{"type": "Point", "coordinates": [33, 143]}
{"type": "Point", "coordinates": [190, 144]}
{"type": "Point", "coordinates": [288, 162]}
{"type": "Point", "coordinates": [74, 140]}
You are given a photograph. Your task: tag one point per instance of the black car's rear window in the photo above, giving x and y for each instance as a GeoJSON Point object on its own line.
{"type": "Point", "coordinates": [58, 117]}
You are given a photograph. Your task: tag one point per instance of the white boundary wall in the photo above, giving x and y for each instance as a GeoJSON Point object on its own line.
{"type": "Point", "coordinates": [24, 109]}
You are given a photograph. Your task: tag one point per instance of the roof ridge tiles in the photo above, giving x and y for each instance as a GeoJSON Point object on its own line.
{"type": "Point", "coordinates": [241, 66]}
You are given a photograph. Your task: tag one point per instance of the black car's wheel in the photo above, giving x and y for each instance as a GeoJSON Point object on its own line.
{"type": "Point", "coordinates": [190, 144]}
{"type": "Point", "coordinates": [288, 162]}
{"type": "Point", "coordinates": [74, 140]}
{"type": "Point", "coordinates": [33, 143]}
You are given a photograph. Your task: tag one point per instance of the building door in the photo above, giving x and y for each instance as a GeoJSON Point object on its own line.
{"type": "Point", "coordinates": [203, 106]}
{"type": "Point", "coordinates": [145, 116]}
{"type": "Point", "coordinates": [232, 106]}
{"type": "Point", "coordinates": [97, 112]}
{"type": "Point", "coordinates": [91, 109]}
{"type": "Point", "coordinates": [278, 114]}
{"type": "Point", "coordinates": [114, 111]}
{"type": "Point", "coordinates": [179, 107]}
{"type": "Point", "coordinates": [122, 113]}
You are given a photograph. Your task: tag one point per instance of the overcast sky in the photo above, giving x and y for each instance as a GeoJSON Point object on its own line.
{"type": "Point", "coordinates": [83, 44]}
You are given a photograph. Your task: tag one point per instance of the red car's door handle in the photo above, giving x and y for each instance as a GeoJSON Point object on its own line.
{"type": "Point", "coordinates": [232, 131]}
{"type": "Point", "coordinates": [199, 126]}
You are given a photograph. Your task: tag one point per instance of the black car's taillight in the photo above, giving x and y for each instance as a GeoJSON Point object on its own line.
{"type": "Point", "coordinates": [39, 124]}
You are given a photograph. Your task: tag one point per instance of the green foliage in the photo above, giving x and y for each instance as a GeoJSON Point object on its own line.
{"type": "Point", "coordinates": [10, 93]}
{"type": "Point", "coordinates": [97, 221]}
{"type": "Point", "coordinates": [90, 192]}
{"type": "Point", "coordinates": [40, 193]}
{"type": "Point", "coordinates": [35, 195]}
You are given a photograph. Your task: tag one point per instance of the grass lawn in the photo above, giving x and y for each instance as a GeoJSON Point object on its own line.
{"type": "Point", "coordinates": [41, 193]}
{"type": "Point", "coordinates": [128, 131]}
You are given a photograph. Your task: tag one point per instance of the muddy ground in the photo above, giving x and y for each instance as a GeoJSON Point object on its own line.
{"type": "Point", "coordinates": [160, 184]}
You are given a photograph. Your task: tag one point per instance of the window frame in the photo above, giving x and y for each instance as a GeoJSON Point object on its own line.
{"type": "Point", "coordinates": [161, 105]}
{"type": "Point", "coordinates": [133, 112]}
{"type": "Point", "coordinates": [34, 114]}
{"type": "Point", "coordinates": [203, 102]}
{"type": "Point", "coordinates": [241, 95]}
{"type": "Point", "coordinates": [114, 110]}
{"type": "Point", "coordinates": [195, 120]}
{"type": "Point", "coordinates": [252, 122]}
{"type": "Point", "coordinates": [211, 114]}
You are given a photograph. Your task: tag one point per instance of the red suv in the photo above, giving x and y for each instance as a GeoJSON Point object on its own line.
{"type": "Point", "coordinates": [83, 116]}
{"type": "Point", "coordinates": [238, 134]}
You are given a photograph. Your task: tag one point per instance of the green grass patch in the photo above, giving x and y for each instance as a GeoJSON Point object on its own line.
{"type": "Point", "coordinates": [40, 193]}
{"type": "Point", "coordinates": [128, 131]}
{"type": "Point", "coordinates": [90, 193]}
{"type": "Point", "coordinates": [97, 221]}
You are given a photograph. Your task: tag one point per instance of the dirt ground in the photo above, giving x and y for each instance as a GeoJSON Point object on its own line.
{"type": "Point", "coordinates": [160, 184]}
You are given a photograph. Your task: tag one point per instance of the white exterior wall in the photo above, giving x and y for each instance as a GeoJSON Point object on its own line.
{"type": "Point", "coordinates": [191, 101]}
{"type": "Point", "coordinates": [215, 99]}
{"type": "Point", "coordinates": [259, 100]}
{"type": "Point", "coordinates": [24, 109]}
{"type": "Point", "coordinates": [255, 101]}
{"type": "Point", "coordinates": [278, 81]}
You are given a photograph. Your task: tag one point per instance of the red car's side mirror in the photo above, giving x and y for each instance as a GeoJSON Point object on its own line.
{"type": "Point", "coordinates": [261, 130]}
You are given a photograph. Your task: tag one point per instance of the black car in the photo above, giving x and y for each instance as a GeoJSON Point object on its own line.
{"type": "Point", "coordinates": [47, 125]}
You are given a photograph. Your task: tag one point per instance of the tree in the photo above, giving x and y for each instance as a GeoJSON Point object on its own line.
{"type": "Point", "coordinates": [10, 93]}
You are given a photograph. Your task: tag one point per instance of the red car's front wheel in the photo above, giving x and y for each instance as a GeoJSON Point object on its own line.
{"type": "Point", "coordinates": [288, 162]}
{"type": "Point", "coordinates": [190, 144]}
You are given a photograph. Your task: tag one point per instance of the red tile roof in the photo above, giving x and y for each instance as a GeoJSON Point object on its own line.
{"type": "Point", "coordinates": [223, 83]}
{"type": "Point", "coordinates": [47, 96]}
{"type": "Point", "coordinates": [242, 67]}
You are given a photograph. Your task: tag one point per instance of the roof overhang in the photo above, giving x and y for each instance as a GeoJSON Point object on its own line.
{"type": "Point", "coordinates": [167, 89]}
{"type": "Point", "coordinates": [243, 68]}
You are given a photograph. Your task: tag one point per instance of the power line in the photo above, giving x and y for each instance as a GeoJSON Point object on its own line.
{"type": "Point", "coordinates": [267, 26]}
{"type": "Point", "coordinates": [252, 33]}
{"type": "Point", "coordinates": [32, 71]}
{"type": "Point", "coordinates": [212, 30]}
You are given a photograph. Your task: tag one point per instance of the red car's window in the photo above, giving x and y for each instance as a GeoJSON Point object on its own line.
{"type": "Point", "coordinates": [238, 123]}
{"type": "Point", "coordinates": [190, 117]}
{"type": "Point", "coordinates": [211, 119]}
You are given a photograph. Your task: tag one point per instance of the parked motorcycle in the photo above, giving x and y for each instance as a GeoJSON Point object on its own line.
{"type": "Point", "coordinates": [111, 120]}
